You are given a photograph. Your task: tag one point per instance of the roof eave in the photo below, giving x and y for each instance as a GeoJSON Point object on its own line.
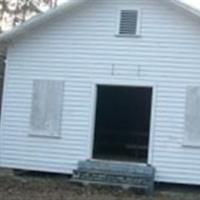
{"type": "Point", "coordinates": [186, 7]}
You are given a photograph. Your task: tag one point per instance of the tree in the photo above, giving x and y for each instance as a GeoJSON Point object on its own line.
{"type": "Point", "coordinates": [15, 12]}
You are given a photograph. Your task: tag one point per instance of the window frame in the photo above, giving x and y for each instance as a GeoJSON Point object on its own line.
{"type": "Point", "coordinates": [139, 20]}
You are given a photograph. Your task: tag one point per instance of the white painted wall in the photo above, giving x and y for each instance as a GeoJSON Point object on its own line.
{"type": "Point", "coordinates": [80, 47]}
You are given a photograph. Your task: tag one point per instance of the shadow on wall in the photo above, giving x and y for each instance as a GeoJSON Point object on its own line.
{"type": "Point", "coordinates": [2, 69]}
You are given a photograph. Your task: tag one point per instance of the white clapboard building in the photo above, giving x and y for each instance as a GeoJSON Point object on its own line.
{"type": "Point", "coordinates": [114, 80]}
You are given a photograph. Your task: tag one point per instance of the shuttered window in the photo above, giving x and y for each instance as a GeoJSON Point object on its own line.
{"type": "Point", "coordinates": [192, 115]}
{"type": "Point", "coordinates": [46, 108]}
{"type": "Point", "coordinates": [129, 22]}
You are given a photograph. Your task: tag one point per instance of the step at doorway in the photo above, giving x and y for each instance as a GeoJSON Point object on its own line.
{"type": "Point", "coordinates": [111, 173]}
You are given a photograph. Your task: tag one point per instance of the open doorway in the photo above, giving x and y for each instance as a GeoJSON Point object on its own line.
{"type": "Point", "coordinates": [122, 127]}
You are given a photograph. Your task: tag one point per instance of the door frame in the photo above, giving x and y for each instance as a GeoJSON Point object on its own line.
{"type": "Point", "coordinates": [111, 82]}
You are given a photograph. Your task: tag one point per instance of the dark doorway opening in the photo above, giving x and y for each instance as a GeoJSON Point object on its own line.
{"type": "Point", "coordinates": [122, 128]}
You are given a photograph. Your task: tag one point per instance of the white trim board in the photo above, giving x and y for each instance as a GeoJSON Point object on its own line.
{"type": "Point", "coordinates": [126, 84]}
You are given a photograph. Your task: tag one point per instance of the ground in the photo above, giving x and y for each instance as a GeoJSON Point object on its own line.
{"type": "Point", "coordinates": [57, 187]}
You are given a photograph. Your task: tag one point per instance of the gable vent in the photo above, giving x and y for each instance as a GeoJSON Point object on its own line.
{"type": "Point", "coordinates": [128, 22]}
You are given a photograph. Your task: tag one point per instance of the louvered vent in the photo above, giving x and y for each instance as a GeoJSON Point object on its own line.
{"type": "Point", "coordinates": [128, 22]}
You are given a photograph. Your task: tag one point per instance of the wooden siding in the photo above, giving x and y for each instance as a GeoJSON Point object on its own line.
{"type": "Point", "coordinates": [80, 47]}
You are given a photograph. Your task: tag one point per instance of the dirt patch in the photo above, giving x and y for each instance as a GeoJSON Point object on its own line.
{"type": "Point", "coordinates": [59, 188]}
{"type": "Point", "coordinates": [6, 172]}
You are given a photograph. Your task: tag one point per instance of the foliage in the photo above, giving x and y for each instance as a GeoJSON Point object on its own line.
{"type": "Point", "coordinates": [14, 12]}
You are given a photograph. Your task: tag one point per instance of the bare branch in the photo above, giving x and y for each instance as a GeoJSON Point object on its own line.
{"type": "Point", "coordinates": [18, 11]}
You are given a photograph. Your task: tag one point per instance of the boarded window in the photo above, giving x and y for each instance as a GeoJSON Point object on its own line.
{"type": "Point", "coordinates": [128, 22]}
{"type": "Point", "coordinates": [46, 108]}
{"type": "Point", "coordinates": [192, 115]}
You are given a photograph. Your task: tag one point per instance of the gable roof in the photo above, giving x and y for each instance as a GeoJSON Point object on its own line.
{"type": "Point", "coordinates": [186, 7]}
{"type": "Point", "coordinates": [40, 19]}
